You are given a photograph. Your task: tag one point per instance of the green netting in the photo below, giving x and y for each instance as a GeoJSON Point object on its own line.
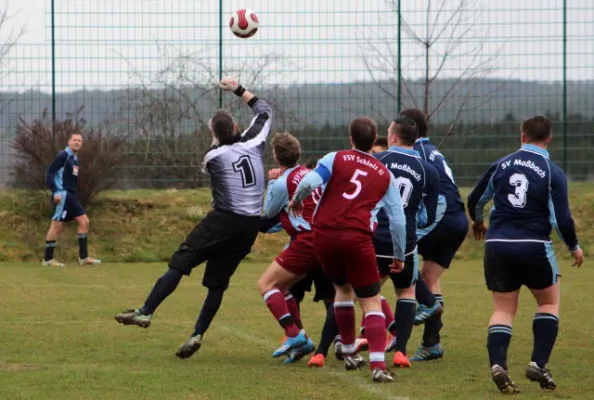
{"type": "Point", "coordinates": [148, 69]}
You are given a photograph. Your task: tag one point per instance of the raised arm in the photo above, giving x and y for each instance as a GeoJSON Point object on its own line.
{"type": "Point", "coordinates": [50, 175]}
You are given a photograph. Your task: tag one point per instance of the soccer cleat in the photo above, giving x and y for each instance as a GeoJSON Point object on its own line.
{"type": "Point", "coordinates": [300, 352]}
{"type": "Point", "coordinates": [391, 344]}
{"type": "Point", "coordinates": [428, 353]}
{"type": "Point", "coordinates": [190, 347]}
{"type": "Point", "coordinates": [400, 360]}
{"type": "Point", "coordinates": [380, 376]}
{"type": "Point", "coordinates": [52, 264]}
{"type": "Point", "coordinates": [134, 317]}
{"type": "Point", "coordinates": [540, 375]}
{"type": "Point", "coordinates": [361, 344]}
{"type": "Point", "coordinates": [338, 351]}
{"type": "Point", "coordinates": [423, 313]}
{"type": "Point", "coordinates": [289, 344]}
{"type": "Point", "coordinates": [353, 361]}
{"type": "Point", "coordinates": [88, 261]}
{"type": "Point", "coordinates": [503, 381]}
{"type": "Point", "coordinates": [316, 361]}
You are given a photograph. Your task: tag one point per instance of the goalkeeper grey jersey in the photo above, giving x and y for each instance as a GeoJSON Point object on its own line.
{"type": "Point", "coordinates": [237, 169]}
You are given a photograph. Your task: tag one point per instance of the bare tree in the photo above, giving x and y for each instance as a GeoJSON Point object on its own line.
{"type": "Point", "coordinates": [167, 111]}
{"type": "Point", "coordinates": [447, 37]}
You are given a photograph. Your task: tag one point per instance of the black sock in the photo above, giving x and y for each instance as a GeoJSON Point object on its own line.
{"type": "Point", "coordinates": [405, 317]}
{"type": "Point", "coordinates": [211, 305]}
{"type": "Point", "coordinates": [164, 286]}
{"type": "Point", "coordinates": [432, 327]}
{"type": "Point", "coordinates": [83, 251]}
{"type": "Point", "coordinates": [329, 331]}
{"type": "Point", "coordinates": [545, 328]}
{"type": "Point", "coordinates": [423, 294]}
{"type": "Point", "coordinates": [50, 246]}
{"type": "Point", "coordinates": [498, 343]}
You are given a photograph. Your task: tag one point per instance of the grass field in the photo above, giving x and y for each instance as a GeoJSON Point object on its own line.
{"type": "Point", "coordinates": [59, 341]}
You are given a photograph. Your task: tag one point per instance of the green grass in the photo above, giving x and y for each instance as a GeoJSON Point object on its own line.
{"type": "Point", "coordinates": [59, 341]}
{"type": "Point", "coordinates": [148, 225]}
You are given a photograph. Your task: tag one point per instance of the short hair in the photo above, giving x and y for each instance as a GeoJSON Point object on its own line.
{"type": "Point", "coordinates": [75, 133]}
{"type": "Point", "coordinates": [363, 131]}
{"type": "Point", "coordinates": [381, 141]}
{"type": "Point", "coordinates": [406, 129]}
{"type": "Point", "coordinates": [223, 126]}
{"type": "Point", "coordinates": [420, 119]}
{"type": "Point", "coordinates": [287, 149]}
{"type": "Point", "coordinates": [310, 163]}
{"type": "Point", "coordinates": [537, 128]}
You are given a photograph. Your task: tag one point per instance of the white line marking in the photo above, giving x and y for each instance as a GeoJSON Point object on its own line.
{"type": "Point", "coordinates": [375, 389]}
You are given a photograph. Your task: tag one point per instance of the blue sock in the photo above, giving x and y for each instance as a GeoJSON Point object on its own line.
{"type": "Point", "coordinates": [545, 328]}
{"type": "Point", "coordinates": [405, 317]}
{"type": "Point", "coordinates": [433, 325]}
{"type": "Point", "coordinates": [498, 343]}
{"type": "Point", "coordinates": [50, 246]}
{"type": "Point", "coordinates": [164, 286]}
{"type": "Point", "coordinates": [423, 294]}
{"type": "Point", "coordinates": [211, 305]}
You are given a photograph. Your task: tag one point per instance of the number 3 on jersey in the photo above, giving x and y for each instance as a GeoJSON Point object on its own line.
{"type": "Point", "coordinates": [520, 182]}
{"type": "Point", "coordinates": [357, 183]}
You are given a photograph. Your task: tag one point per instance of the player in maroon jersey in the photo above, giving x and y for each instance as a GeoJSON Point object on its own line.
{"type": "Point", "coordinates": [357, 187]}
{"type": "Point", "coordinates": [299, 258]}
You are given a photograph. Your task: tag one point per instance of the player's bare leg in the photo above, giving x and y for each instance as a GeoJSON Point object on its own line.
{"type": "Point", "coordinates": [83, 232]}
{"type": "Point", "coordinates": [50, 244]}
{"type": "Point", "coordinates": [273, 286]}
{"type": "Point", "coordinates": [500, 332]}
{"type": "Point", "coordinates": [405, 315]}
{"type": "Point", "coordinates": [545, 328]}
{"type": "Point", "coordinates": [431, 347]}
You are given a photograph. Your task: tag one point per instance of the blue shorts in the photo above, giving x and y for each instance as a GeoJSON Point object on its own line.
{"type": "Point", "coordinates": [68, 208]}
{"type": "Point", "coordinates": [509, 265]}
{"type": "Point", "coordinates": [439, 243]}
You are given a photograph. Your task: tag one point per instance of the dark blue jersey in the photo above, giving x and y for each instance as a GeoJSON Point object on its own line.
{"type": "Point", "coordinates": [447, 185]}
{"type": "Point", "coordinates": [529, 195]}
{"type": "Point", "coordinates": [418, 183]}
{"type": "Point", "coordinates": [62, 174]}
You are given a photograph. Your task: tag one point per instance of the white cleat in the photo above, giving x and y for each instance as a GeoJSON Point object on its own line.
{"type": "Point", "coordinates": [88, 261]}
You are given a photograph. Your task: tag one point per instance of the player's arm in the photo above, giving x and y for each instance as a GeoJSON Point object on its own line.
{"type": "Point", "coordinates": [270, 225]}
{"type": "Point", "coordinates": [260, 125]}
{"type": "Point", "coordinates": [50, 175]}
{"type": "Point", "coordinates": [481, 194]}
{"type": "Point", "coordinates": [392, 205]}
{"type": "Point", "coordinates": [559, 211]}
{"type": "Point", "coordinates": [314, 179]}
{"type": "Point", "coordinates": [277, 198]}
{"type": "Point", "coordinates": [431, 196]}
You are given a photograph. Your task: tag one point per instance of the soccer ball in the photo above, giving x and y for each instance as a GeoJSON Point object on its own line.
{"type": "Point", "coordinates": [244, 23]}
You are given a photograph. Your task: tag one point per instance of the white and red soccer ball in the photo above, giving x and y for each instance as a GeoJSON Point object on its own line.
{"type": "Point", "coordinates": [244, 23]}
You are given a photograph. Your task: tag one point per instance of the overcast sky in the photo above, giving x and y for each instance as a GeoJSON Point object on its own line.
{"type": "Point", "coordinates": [115, 43]}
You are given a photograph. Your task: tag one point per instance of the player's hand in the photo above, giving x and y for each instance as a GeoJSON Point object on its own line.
{"type": "Point", "coordinates": [296, 208]}
{"type": "Point", "coordinates": [479, 230]}
{"type": "Point", "coordinates": [57, 199]}
{"type": "Point", "coordinates": [397, 266]}
{"type": "Point", "coordinates": [229, 84]}
{"type": "Point", "coordinates": [578, 257]}
{"type": "Point", "coordinates": [274, 173]}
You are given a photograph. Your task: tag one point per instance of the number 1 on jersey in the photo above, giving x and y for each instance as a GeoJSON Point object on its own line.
{"type": "Point", "coordinates": [244, 166]}
{"type": "Point", "coordinates": [357, 183]}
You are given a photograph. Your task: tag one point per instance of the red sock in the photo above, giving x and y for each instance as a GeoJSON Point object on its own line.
{"type": "Point", "coordinates": [278, 307]}
{"type": "Point", "coordinates": [375, 328]}
{"type": "Point", "coordinates": [344, 311]}
{"type": "Point", "coordinates": [389, 316]}
{"type": "Point", "coordinates": [294, 309]}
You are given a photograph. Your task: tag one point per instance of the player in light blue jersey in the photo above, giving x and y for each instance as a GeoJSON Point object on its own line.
{"type": "Point", "coordinates": [529, 195]}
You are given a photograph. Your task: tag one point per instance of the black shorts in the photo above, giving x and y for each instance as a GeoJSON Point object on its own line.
{"type": "Point", "coordinates": [409, 274]}
{"type": "Point", "coordinates": [324, 288]}
{"type": "Point", "coordinates": [68, 208]}
{"type": "Point", "coordinates": [440, 242]}
{"type": "Point", "coordinates": [509, 265]}
{"type": "Point", "coordinates": [223, 239]}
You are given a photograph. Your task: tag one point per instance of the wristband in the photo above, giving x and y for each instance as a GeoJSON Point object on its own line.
{"type": "Point", "coordinates": [239, 91]}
